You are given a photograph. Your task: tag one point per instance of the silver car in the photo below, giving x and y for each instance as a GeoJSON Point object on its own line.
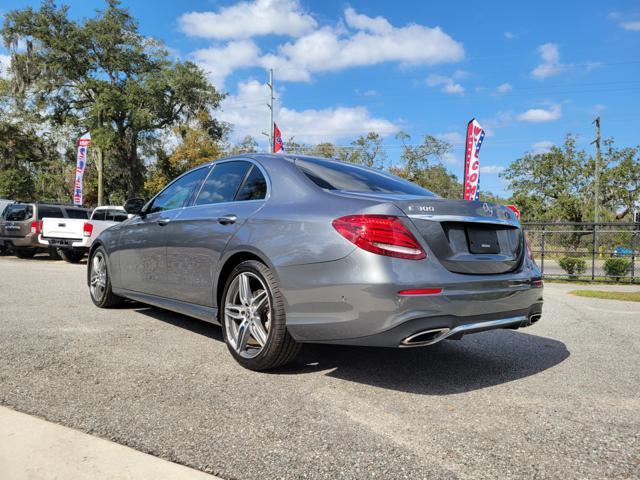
{"type": "Point", "coordinates": [282, 250]}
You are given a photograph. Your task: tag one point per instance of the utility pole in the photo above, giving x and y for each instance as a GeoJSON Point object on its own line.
{"type": "Point", "coordinates": [270, 105]}
{"type": "Point", "coordinates": [100, 163]}
{"type": "Point", "coordinates": [597, 173]}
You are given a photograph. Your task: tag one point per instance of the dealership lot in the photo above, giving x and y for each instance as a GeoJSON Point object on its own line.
{"type": "Point", "coordinates": [559, 399]}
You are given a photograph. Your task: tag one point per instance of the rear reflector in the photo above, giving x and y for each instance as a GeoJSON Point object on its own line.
{"type": "Point", "coordinates": [421, 291]}
{"type": "Point", "coordinates": [87, 230]}
{"type": "Point", "coordinates": [537, 283]}
{"type": "Point", "coordinates": [381, 234]}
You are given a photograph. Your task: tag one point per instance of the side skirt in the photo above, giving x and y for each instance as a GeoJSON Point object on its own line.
{"type": "Point", "coordinates": [207, 314]}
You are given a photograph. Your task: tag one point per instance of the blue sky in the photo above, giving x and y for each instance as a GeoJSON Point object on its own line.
{"type": "Point", "coordinates": [530, 72]}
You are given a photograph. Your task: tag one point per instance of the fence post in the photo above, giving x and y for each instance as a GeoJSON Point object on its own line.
{"type": "Point", "coordinates": [633, 254]}
{"type": "Point", "coordinates": [593, 254]}
{"type": "Point", "coordinates": [542, 253]}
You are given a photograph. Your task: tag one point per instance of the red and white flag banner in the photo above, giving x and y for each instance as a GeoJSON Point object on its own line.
{"type": "Point", "coordinates": [278, 144]}
{"type": "Point", "coordinates": [81, 162]}
{"type": "Point", "coordinates": [471, 181]}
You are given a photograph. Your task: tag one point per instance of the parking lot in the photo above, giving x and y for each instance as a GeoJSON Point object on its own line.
{"type": "Point", "coordinates": [558, 400]}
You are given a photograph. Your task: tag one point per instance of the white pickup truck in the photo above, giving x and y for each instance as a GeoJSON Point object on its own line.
{"type": "Point", "coordinates": [73, 237]}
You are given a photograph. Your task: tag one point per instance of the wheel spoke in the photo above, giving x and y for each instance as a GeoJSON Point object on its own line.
{"type": "Point", "coordinates": [243, 336]}
{"type": "Point", "coordinates": [244, 289]}
{"type": "Point", "coordinates": [258, 332]}
{"type": "Point", "coordinates": [233, 311]}
{"type": "Point", "coordinates": [259, 299]}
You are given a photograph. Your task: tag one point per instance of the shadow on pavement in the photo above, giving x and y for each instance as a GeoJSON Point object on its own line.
{"type": "Point", "coordinates": [454, 366]}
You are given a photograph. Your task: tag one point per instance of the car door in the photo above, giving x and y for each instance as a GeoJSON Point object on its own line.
{"type": "Point", "coordinates": [234, 191]}
{"type": "Point", "coordinates": [142, 242]}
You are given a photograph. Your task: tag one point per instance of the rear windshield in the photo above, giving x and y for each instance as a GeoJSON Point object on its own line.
{"type": "Point", "coordinates": [45, 211]}
{"type": "Point", "coordinates": [77, 213]}
{"type": "Point", "coordinates": [18, 213]}
{"type": "Point", "coordinates": [333, 175]}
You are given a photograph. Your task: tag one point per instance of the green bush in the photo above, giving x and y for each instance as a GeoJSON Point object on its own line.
{"type": "Point", "coordinates": [573, 266]}
{"type": "Point", "coordinates": [617, 267]}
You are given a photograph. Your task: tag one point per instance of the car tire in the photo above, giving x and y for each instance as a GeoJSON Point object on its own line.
{"type": "Point", "coordinates": [25, 252]}
{"type": "Point", "coordinates": [254, 322]}
{"type": "Point", "coordinates": [71, 256]}
{"type": "Point", "coordinates": [54, 254]}
{"type": "Point", "coordinates": [100, 281]}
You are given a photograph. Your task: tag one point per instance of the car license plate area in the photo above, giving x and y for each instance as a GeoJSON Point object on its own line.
{"type": "Point", "coordinates": [482, 240]}
{"type": "Point", "coordinates": [59, 242]}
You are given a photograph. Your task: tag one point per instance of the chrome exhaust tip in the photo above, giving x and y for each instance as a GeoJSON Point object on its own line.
{"type": "Point", "coordinates": [425, 337]}
{"type": "Point", "coordinates": [534, 318]}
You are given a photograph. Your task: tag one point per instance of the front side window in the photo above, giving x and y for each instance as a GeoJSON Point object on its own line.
{"type": "Point", "coordinates": [18, 212]}
{"type": "Point", "coordinates": [332, 175]}
{"type": "Point", "coordinates": [116, 215]}
{"type": "Point", "coordinates": [223, 183]}
{"type": "Point", "coordinates": [178, 193]}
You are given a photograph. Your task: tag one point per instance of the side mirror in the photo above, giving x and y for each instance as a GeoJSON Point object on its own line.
{"type": "Point", "coordinates": [134, 206]}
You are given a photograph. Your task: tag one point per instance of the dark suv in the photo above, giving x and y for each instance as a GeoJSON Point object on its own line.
{"type": "Point", "coordinates": [21, 225]}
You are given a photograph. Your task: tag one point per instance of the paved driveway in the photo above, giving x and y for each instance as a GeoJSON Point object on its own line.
{"type": "Point", "coordinates": [558, 400]}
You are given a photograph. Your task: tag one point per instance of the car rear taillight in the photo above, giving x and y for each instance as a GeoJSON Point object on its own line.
{"type": "Point", "coordinates": [381, 234]}
{"type": "Point", "coordinates": [87, 229]}
{"type": "Point", "coordinates": [36, 226]}
{"type": "Point", "coordinates": [420, 291]}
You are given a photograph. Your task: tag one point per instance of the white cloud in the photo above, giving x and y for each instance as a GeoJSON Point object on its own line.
{"type": "Point", "coordinates": [364, 41]}
{"type": "Point", "coordinates": [368, 93]}
{"type": "Point", "coordinates": [634, 26]}
{"type": "Point", "coordinates": [249, 19]}
{"type": "Point", "coordinates": [357, 40]}
{"type": "Point", "coordinates": [539, 115]}
{"type": "Point", "coordinates": [550, 66]}
{"type": "Point", "coordinates": [491, 169]}
{"type": "Point", "coordinates": [451, 159]}
{"type": "Point", "coordinates": [5, 63]}
{"type": "Point", "coordinates": [454, 138]}
{"type": "Point", "coordinates": [509, 35]}
{"type": "Point", "coordinates": [504, 88]}
{"type": "Point", "coordinates": [246, 111]}
{"type": "Point", "coordinates": [447, 83]}
{"type": "Point", "coordinates": [543, 146]}
{"type": "Point", "coordinates": [218, 62]}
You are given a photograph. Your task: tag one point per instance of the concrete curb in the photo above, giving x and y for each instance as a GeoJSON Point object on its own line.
{"type": "Point", "coordinates": [31, 448]}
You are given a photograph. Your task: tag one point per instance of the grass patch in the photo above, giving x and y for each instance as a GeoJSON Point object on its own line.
{"type": "Point", "coordinates": [626, 296]}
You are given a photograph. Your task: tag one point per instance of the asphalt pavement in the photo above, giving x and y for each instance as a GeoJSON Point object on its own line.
{"type": "Point", "coordinates": [560, 399]}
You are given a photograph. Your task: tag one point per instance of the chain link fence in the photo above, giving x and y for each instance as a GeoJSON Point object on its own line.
{"type": "Point", "coordinates": [586, 251]}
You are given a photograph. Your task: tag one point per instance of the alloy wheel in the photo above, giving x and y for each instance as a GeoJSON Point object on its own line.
{"type": "Point", "coordinates": [247, 314]}
{"type": "Point", "coordinates": [98, 281]}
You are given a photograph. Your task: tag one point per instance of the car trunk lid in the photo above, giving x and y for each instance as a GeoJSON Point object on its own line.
{"type": "Point", "coordinates": [69, 228]}
{"type": "Point", "coordinates": [467, 237]}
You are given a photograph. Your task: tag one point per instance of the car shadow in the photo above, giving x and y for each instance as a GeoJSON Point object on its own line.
{"type": "Point", "coordinates": [454, 366]}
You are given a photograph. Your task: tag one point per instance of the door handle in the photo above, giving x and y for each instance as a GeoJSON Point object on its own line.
{"type": "Point", "coordinates": [163, 221]}
{"type": "Point", "coordinates": [227, 219]}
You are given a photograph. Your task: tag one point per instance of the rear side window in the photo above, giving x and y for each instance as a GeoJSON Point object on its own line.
{"type": "Point", "coordinates": [351, 178]}
{"type": "Point", "coordinates": [49, 212]}
{"type": "Point", "coordinates": [18, 213]}
{"type": "Point", "coordinates": [99, 215]}
{"type": "Point", "coordinates": [223, 183]}
{"type": "Point", "coordinates": [254, 186]}
{"type": "Point", "coordinates": [77, 213]}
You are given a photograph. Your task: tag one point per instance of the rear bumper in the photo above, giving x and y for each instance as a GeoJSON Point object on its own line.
{"type": "Point", "coordinates": [30, 240]}
{"type": "Point", "coordinates": [69, 243]}
{"type": "Point", "coordinates": [355, 300]}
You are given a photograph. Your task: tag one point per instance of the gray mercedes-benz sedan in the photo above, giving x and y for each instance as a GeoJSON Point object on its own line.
{"type": "Point", "coordinates": [282, 250]}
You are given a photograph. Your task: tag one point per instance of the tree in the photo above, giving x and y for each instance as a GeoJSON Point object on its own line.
{"type": "Point", "coordinates": [247, 145]}
{"type": "Point", "coordinates": [417, 166]}
{"type": "Point", "coordinates": [553, 186]}
{"type": "Point", "coordinates": [368, 151]}
{"type": "Point", "coordinates": [620, 183]}
{"type": "Point", "coordinates": [101, 75]}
